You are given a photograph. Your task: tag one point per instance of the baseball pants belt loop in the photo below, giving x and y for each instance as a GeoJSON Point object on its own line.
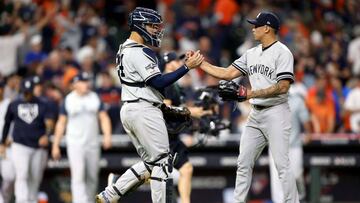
{"type": "Point", "coordinates": [260, 107]}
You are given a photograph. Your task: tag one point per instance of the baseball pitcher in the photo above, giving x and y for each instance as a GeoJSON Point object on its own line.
{"type": "Point", "coordinates": [269, 67]}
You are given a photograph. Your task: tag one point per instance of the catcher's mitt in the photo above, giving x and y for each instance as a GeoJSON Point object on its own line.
{"type": "Point", "coordinates": [176, 118]}
{"type": "Point", "coordinates": [230, 91]}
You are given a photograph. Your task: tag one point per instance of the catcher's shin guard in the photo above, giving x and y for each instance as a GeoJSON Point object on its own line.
{"type": "Point", "coordinates": [129, 181]}
{"type": "Point", "coordinates": [161, 180]}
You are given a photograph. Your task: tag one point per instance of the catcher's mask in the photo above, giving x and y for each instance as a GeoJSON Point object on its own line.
{"type": "Point", "coordinates": [140, 17]}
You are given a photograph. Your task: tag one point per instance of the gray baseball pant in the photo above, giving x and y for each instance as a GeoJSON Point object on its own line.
{"type": "Point", "coordinates": [268, 126]}
{"type": "Point", "coordinates": [84, 167]}
{"type": "Point", "coordinates": [29, 164]}
{"type": "Point", "coordinates": [296, 164]}
{"type": "Point", "coordinates": [145, 125]}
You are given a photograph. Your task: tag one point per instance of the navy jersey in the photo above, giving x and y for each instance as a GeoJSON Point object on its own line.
{"type": "Point", "coordinates": [53, 107]}
{"type": "Point", "coordinates": [29, 120]}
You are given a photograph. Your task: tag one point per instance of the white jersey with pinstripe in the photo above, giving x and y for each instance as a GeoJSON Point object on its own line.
{"type": "Point", "coordinates": [139, 64]}
{"type": "Point", "coordinates": [265, 67]}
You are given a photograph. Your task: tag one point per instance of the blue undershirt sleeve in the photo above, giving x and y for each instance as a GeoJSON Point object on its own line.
{"type": "Point", "coordinates": [159, 82]}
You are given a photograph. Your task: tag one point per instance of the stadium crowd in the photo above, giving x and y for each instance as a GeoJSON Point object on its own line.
{"type": "Point", "coordinates": [57, 39]}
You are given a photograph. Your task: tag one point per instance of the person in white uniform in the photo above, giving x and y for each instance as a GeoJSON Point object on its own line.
{"type": "Point", "coordinates": [142, 87]}
{"type": "Point", "coordinates": [269, 67]}
{"type": "Point", "coordinates": [6, 166]}
{"type": "Point", "coordinates": [80, 115]}
{"type": "Point", "coordinates": [300, 118]}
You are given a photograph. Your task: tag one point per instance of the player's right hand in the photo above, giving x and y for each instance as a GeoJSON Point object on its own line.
{"type": "Point", "coordinates": [55, 152]}
{"type": "Point", "coordinates": [194, 60]}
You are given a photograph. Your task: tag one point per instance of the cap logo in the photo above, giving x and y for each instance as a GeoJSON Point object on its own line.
{"type": "Point", "coordinates": [27, 84]}
{"type": "Point", "coordinates": [268, 22]}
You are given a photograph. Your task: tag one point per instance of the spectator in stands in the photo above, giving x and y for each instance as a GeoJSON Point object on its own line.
{"type": "Point", "coordinates": [12, 86]}
{"type": "Point", "coordinates": [86, 57]}
{"type": "Point", "coordinates": [110, 95]}
{"type": "Point", "coordinates": [354, 51]}
{"type": "Point", "coordinates": [339, 93]}
{"type": "Point", "coordinates": [54, 68]}
{"type": "Point", "coordinates": [69, 32]}
{"type": "Point", "coordinates": [352, 104]}
{"type": "Point", "coordinates": [321, 105]}
{"type": "Point", "coordinates": [35, 55]}
{"type": "Point", "coordinates": [9, 44]}
{"type": "Point", "coordinates": [67, 54]}
{"type": "Point", "coordinates": [16, 26]}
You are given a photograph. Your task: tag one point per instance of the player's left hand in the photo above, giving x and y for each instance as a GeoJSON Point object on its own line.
{"type": "Point", "coordinates": [107, 142]}
{"type": "Point", "coordinates": [44, 141]}
{"type": "Point", "coordinates": [230, 91]}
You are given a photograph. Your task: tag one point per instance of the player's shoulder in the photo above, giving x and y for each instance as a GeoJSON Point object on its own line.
{"type": "Point", "coordinates": [139, 50]}
{"type": "Point", "coordinates": [253, 49]}
{"type": "Point", "coordinates": [283, 48]}
{"type": "Point", "coordinates": [150, 54]}
{"type": "Point", "coordinates": [70, 97]}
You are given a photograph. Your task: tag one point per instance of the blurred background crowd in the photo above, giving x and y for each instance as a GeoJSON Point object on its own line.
{"type": "Point", "coordinates": [55, 39]}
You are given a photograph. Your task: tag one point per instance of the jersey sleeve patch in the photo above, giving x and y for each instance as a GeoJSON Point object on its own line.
{"type": "Point", "coordinates": [242, 70]}
{"type": "Point", "coordinates": [285, 76]}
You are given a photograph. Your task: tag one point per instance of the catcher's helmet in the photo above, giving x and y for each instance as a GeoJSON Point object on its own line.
{"type": "Point", "coordinates": [141, 17]}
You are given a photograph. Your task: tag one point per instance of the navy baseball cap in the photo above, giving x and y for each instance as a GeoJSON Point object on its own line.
{"type": "Point", "coordinates": [169, 56]}
{"type": "Point", "coordinates": [82, 76]}
{"type": "Point", "coordinates": [266, 18]}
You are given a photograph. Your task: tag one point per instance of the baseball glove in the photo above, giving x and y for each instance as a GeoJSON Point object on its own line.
{"type": "Point", "coordinates": [176, 118]}
{"type": "Point", "coordinates": [230, 91]}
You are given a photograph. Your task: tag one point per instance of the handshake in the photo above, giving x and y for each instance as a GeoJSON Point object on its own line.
{"type": "Point", "coordinates": [193, 59]}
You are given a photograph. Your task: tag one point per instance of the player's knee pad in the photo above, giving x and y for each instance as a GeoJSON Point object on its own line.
{"type": "Point", "coordinates": [133, 178]}
{"type": "Point", "coordinates": [161, 174]}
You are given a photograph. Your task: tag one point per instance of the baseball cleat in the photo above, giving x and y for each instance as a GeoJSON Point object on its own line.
{"type": "Point", "coordinates": [105, 197]}
{"type": "Point", "coordinates": [102, 198]}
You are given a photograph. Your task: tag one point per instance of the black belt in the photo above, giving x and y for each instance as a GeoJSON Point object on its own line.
{"type": "Point", "coordinates": [158, 105]}
{"type": "Point", "coordinates": [259, 107]}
